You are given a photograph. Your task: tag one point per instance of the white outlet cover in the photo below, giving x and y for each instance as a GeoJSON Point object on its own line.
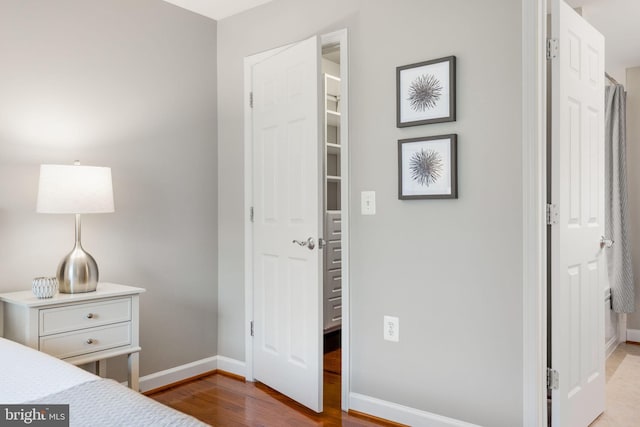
{"type": "Point", "coordinates": [368, 202]}
{"type": "Point", "coordinates": [391, 328]}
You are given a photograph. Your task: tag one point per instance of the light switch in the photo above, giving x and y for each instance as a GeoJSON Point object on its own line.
{"type": "Point", "coordinates": [368, 202]}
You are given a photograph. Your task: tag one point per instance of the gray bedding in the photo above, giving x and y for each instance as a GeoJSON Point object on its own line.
{"type": "Point", "coordinates": [105, 403]}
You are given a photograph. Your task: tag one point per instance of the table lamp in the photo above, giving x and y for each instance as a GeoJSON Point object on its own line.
{"type": "Point", "coordinates": [75, 189]}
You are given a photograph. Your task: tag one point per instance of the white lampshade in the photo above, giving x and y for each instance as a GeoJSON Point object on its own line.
{"type": "Point", "coordinates": [75, 189]}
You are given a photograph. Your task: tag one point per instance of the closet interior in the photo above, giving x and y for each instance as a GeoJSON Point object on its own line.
{"type": "Point", "coordinates": [332, 277]}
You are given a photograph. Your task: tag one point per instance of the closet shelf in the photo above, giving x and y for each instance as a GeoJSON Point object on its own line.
{"type": "Point", "coordinates": [333, 148]}
{"type": "Point", "coordinates": [333, 118]}
{"type": "Point", "coordinates": [333, 85]}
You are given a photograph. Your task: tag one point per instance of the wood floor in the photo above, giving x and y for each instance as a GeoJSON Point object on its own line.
{"type": "Point", "coordinates": [622, 389]}
{"type": "Point", "coordinates": [223, 401]}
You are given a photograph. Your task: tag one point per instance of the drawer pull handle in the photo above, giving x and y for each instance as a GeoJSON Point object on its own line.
{"type": "Point", "coordinates": [90, 316]}
{"type": "Point", "coordinates": [90, 341]}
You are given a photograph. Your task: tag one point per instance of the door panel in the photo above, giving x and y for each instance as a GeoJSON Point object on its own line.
{"type": "Point", "coordinates": [287, 205]}
{"type": "Point", "coordinates": [578, 266]}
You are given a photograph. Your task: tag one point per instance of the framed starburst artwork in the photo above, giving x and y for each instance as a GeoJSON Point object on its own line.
{"type": "Point", "coordinates": [426, 92]}
{"type": "Point", "coordinates": [427, 167]}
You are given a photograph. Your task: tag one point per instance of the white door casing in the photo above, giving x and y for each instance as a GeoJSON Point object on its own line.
{"type": "Point", "coordinates": [287, 200]}
{"type": "Point", "coordinates": [578, 267]}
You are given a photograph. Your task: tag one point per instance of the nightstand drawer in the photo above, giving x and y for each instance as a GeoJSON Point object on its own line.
{"type": "Point", "coordinates": [81, 316]}
{"type": "Point", "coordinates": [87, 340]}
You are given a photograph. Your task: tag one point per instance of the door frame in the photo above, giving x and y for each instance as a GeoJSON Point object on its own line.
{"type": "Point", "coordinates": [534, 199]}
{"type": "Point", "coordinates": [341, 37]}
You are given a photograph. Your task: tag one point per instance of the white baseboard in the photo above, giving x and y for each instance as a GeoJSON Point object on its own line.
{"type": "Point", "coordinates": [622, 327]}
{"type": "Point", "coordinates": [183, 372]}
{"type": "Point", "coordinates": [633, 335]}
{"type": "Point", "coordinates": [611, 345]}
{"type": "Point", "coordinates": [401, 414]}
{"type": "Point", "coordinates": [231, 366]}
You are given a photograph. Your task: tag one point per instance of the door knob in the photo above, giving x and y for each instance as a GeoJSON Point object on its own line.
{"type": "Point", "coordinates": [309, 243]}
{"type": "Point", "coordinates": [605, 243]}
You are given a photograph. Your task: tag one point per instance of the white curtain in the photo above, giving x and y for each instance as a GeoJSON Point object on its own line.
{"type": "Point", "coordinates": [616, 210]}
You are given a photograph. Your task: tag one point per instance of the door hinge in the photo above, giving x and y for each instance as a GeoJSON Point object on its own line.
{"type": "Point", "coordinates": [251, 214]}
{"type": "Point", "coordinates": [611, 299]}
{"type": "Point", "coordinates": [251, 327]}
{"type": "Point", "coordinates": [552, 214]}
{"type": "Point", "coordinates": [250, 99]}
{"type": "Point", "coordinates": [552, 48]}
{"type": "Point", "coordinates": [553, 379]}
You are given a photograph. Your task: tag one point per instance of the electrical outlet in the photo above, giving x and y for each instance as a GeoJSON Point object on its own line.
{"type": "Point", "coordinates": [391, 328]}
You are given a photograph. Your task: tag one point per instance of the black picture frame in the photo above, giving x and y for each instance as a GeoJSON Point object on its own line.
{"type": "Point", "coordinates": [428, 167]}
{"type": "Point", "coordinates": [426, 92]}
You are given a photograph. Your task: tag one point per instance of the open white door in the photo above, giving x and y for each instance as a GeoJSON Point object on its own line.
{"type": "Point", "coordinates": [287, 196]}
{"type": "Point", "coordinates": [578, 265]}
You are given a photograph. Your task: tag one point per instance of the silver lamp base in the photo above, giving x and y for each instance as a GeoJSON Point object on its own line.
{"type": "Point", "coordinates": [78, 271]}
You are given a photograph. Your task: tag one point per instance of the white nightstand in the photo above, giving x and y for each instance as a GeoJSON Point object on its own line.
{"type": "Point", "coordinates": [78, 328]}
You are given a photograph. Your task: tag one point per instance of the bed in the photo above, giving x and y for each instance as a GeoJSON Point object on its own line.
{"type": "Point", "coordinates": [31, 377]}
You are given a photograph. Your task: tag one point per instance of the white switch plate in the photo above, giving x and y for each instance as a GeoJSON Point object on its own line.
{"type": "Point", "coordinates": [391, 328]}
{"type": "Point", "coordinates": [368, 202]}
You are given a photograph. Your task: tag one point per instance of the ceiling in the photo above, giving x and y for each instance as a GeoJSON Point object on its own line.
{"type": "Point", "coordinates": [217, 9]}
{"type": "Point", "coordinates": [618, 21]}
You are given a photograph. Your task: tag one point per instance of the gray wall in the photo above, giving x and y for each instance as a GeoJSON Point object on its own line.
{"type": "Point", "coordinates": [130, 85]}
{"type": "Point", "coordinates": [451, 270]}
{"type": "Point", "coordinates": [633, 177]}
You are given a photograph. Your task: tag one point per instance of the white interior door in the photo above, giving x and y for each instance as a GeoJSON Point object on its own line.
{"type": "Point", "coordinates": [287, 347]}
{"type": "Point", "coordinates": [578, 267]}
